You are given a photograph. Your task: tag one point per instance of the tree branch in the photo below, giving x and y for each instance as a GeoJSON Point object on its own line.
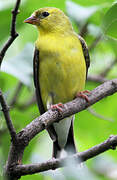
{"type": "Point", "coordinates": [101, 77]}
{"type": "Point", "coordinates": [96, 78]}
{"type": "Point", "coordinates": [108, 68]}
{"type": "Point", "coordinates": [95, 42]}
{"type": "Point", "coordinates": [83, 30]}
{"type": "Point", "coordinates": [10, 126]}
{"type": "Point", "coordinates": [16, 94]}
{"type": "Point", "coordinates": [13, 33]}
{"type": "Point", "coordinates": [49, 117]}
{"type": "Point", "coordinates": [70, 108]}
{"type": "Point", "coordinates": [110, 143]}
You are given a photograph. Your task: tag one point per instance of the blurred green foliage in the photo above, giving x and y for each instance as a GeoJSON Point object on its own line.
{"type": "Point", "coordinates": [101, 20]}
{"type": "Point", "coordinates": [109, 23]}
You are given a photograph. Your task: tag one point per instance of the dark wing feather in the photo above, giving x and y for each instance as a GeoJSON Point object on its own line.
{"type": "Point", "coordinates": [50, 129]}
{"type": "Point", "coordinates": [36, 80]}
{"type": "Point", "coordinates": [85, 52]}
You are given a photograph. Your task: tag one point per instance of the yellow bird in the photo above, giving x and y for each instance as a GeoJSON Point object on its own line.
{"type": "Point", "coordinates": [61, 62]}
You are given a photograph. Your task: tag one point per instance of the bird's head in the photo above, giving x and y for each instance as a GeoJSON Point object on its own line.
{"type": "Point", "coordinates": [49, 19]}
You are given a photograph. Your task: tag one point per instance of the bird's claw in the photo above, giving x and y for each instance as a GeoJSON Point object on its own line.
{"type": "Point", "coordinates": [58, 107]}
{"type": "Point", "coordinates": [83, 95]}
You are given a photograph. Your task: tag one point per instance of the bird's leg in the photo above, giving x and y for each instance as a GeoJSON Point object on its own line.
{"type": "Point", "coordinates": [83, 95]}
{"type": "Point", "coordinates": [52, 106]}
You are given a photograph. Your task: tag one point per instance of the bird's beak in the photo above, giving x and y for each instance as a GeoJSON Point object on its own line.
{"type": "Point", "coordinates": [31, 20]}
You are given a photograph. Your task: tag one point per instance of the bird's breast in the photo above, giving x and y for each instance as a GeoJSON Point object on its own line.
{"type": "Point", "coordinates": [62, 72]}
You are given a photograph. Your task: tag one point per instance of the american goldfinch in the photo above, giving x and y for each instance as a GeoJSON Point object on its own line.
{"type": "Point", "coordinates": [61, 62]}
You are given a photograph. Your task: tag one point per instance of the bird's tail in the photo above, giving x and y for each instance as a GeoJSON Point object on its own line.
{"type": "Point", "coordinates": [69, 146]}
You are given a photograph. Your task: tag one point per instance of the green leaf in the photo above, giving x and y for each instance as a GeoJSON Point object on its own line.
{"type": "Point", "coordinates": [109, 22]}
{"type": "Point", "coordinates": [21, 65]}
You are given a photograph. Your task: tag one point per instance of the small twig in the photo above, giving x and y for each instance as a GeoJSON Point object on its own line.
{"type": "Point", "coordinates": [13, 33]}
{"type": "Point", "coordinates": [14, 12]}
{"type": "Point", "coordinates": [10, 126]}
{"type": "Point", "coordinates": [16, 94]}
{"type": "Point", "coordinates": [110, 143]}
{"type": "Point", "coordinates": [108, 68]}
{"type": "Point", "coordinates": [93, 112]}
{"type": "Point", "coordinates": [96, 78]}
{"type": "Point", "coordinates": [95, 42]}
{"type": "Point", "coordinates": [101, 77]}
{"type": "Point", "coordinates": [83, 30]}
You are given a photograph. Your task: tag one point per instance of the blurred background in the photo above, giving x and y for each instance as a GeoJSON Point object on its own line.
{"type": "Point", "coordinates": [96, 22]}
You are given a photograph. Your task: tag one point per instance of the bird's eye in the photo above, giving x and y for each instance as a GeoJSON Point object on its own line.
{"type": "Point", "coordinates": [45, 14]}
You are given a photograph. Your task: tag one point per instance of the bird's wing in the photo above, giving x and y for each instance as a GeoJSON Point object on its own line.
{"type": "Point", "coordinates": [85, 52]}
{"type": "Point", "coordinates": [36, 80]}
{"type": "Point", "coordinates": [50, 129]}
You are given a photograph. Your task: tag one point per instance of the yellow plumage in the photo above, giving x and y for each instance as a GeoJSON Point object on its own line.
{"type": "Point", "coordinates": [62, 64]}
{"type": "Point", "coordinates": [62, 67]}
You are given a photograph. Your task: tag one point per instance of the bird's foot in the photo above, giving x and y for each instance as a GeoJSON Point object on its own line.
{"type": "Point", "coordinates": [19, 162]}
{"type": "Point", "coordinates": [83, 95]}
{"type": "Point", "coordinates": [57, 107]}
